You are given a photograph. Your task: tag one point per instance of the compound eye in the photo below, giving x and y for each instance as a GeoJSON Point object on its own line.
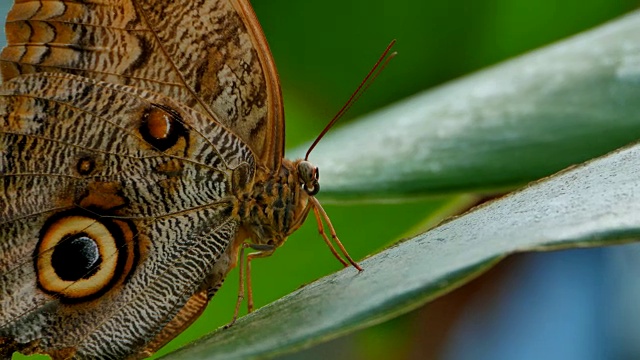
{"type": "Point", "coordinates": [308, 176]}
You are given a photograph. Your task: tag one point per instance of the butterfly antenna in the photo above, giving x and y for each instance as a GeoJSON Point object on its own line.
{"type": "Point", "coordinates": [364, 85]}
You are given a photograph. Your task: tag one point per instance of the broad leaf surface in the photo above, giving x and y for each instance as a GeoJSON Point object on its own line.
{"type": "Point", "coordinates": [594, 204]}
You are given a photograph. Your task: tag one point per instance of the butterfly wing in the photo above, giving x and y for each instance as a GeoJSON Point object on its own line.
{"type": "Point", "coordinates": [210, 55]}
{"type": "Point", "coordinates": [116, 207]}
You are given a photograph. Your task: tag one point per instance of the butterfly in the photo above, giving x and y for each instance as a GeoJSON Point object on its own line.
{"type": "Point", "coordinates": [141, 152]}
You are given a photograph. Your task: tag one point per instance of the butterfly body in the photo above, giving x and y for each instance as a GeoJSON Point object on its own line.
{"type": "Point", "coordinates": [141, 146]}
{"type": "Point", "coordinates": [276, 206]}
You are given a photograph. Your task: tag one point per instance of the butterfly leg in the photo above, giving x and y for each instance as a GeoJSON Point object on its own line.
{"type": "Point", "coordinates": [320, 214]}
{"type": "Point", "coordinates": [240, 287]}
{"type": "Point", "coordinates": [263, 251]}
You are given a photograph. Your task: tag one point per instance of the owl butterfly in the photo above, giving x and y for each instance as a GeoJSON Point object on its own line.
{"type": "Point", "coordinates": [141, 150]}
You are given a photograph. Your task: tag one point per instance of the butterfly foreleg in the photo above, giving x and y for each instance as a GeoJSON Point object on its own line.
{"type": "Point", "coordinates": [320, 215]}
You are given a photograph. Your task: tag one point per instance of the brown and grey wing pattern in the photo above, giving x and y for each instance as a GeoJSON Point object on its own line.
{"type": "Point", "coordinates": [208, 54]}
{"type": "Point", "coordinates": [137, 186]}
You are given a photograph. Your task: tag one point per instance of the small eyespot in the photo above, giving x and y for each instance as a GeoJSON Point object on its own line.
{"type": "Point", "coordinates": [162, 126]}
{"type": "Point", "coordinates": [85, 165]}
{"type": "Point", "coordinates": [317, 174]}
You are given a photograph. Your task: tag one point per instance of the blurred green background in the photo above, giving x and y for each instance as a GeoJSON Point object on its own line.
{"type": "Point", "coordinates": [323, 49]}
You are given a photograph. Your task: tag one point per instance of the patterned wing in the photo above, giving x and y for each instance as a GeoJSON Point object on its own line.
{"type": "Point", "coordinates": [209, 54]}
{"type": "Point", "coordinates": [116, 205]}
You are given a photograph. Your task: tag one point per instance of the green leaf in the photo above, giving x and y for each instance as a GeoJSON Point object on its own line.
{"type": "Point", "coordinates": [497, 129]}
{"type": "Point", "coordinates": [594, 204]}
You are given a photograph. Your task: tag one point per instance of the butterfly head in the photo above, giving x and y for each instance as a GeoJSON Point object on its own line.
{"type": "Point", "coordinates": [308, 175]}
